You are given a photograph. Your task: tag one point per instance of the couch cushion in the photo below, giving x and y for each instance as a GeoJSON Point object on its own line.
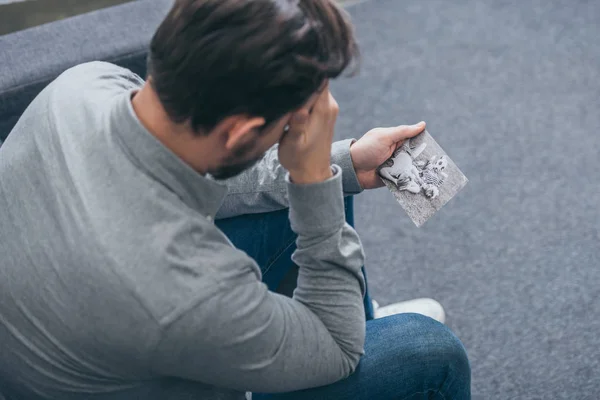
{"type": "Point", "coordinates": [32, 58]}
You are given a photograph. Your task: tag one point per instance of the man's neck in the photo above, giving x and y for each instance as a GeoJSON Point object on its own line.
{"type": "Point", "coordinates": [193, 150]}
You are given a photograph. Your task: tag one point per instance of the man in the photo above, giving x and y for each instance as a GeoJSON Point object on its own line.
{"type": "Point", "coordinates": [117, 284]}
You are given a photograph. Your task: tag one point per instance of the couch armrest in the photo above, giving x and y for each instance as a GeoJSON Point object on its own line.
{"type": "Point", "coordinates": [32, 58]}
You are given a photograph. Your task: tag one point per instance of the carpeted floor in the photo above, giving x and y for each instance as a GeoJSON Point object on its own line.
{"type": "Point", "coordinates": [511, 90]}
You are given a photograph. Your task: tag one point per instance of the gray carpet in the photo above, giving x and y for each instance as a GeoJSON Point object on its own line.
{"type": "Point", "coordinates": [511, 90]}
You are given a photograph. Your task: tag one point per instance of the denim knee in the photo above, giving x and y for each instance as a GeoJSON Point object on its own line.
{"type": "Point", "coordinates": [434, 346]}
{"type": "Point", "coordinates": [407, 357]}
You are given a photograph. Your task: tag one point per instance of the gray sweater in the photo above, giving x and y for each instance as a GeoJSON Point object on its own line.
{"type": "Point", "coordinates": [114, 280]}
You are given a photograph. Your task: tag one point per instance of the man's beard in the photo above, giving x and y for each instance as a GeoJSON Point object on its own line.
{"type": "Point", "coordinates": [231, 167]}
{"type": "Point", "coordinates": [234, 169]}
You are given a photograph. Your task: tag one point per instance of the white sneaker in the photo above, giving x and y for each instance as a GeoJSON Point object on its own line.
{"type": "Point", "coordinates": [425, 306]}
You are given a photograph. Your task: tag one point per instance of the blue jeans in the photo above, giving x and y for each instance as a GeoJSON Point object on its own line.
{"type": "Point", "coordinates": [407, 356]}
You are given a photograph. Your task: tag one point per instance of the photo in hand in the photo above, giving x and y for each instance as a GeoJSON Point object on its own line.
{"type": "Point", "coordinates": [422, 177]}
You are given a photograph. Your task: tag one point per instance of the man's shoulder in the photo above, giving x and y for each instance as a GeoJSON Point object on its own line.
{"type": "Point", "coordinates": [98, 73]}
{"type": "Point", "coordinates": [77, 96]}
{"type": "Point", "coordinates": [92, 83]}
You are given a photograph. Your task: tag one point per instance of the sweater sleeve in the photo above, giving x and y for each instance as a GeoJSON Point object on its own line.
{"type": "Point", "coordinates": [263, 188]}
{"type": "Point", "coordinates": [247, 338]}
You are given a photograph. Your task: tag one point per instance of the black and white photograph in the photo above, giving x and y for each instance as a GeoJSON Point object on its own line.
{"type": "Point", "coordinates": [422, 177]}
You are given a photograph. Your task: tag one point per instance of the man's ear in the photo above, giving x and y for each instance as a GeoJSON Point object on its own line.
{"type": "Point", "coordinates": [240, 130]}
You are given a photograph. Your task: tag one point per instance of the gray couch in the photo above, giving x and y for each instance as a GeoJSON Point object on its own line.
{"type": "Point", "coordinates": [32, 58]}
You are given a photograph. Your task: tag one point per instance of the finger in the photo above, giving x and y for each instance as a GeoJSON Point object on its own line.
{"type": "Point", "coordinates": [324, 86]}
{"type": "Point", "coordinates": [298, 122]}
{"type": "Point", "coordinates": [322, 104]}
{"type": "Point", "coordinates": [399, 144]}
{"type": "Point", "coordinates": [333, 102]}
{"type": "Point", "coordinates": [299, 119]}
{"type": "Point", "coordinates": [403, 132]}
{"type": "Point", "coordinates": [310, 103]}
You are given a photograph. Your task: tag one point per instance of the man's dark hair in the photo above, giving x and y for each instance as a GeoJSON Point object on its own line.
{"type": "Point", "coordinates": [210, 59]}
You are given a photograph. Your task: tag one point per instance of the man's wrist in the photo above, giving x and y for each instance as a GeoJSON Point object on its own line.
{"type": "Point", "coordinates": [306, 177]}
{"type": "Point", "coordinates": [341, 155]}
{"type": "Point", "coordinates": [318, 208]}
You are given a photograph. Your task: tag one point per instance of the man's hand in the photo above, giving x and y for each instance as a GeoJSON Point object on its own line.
{"type": "Point", "coordinates": [305, 150]}
{"type": "Point", "coordinates": [375, 147]}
